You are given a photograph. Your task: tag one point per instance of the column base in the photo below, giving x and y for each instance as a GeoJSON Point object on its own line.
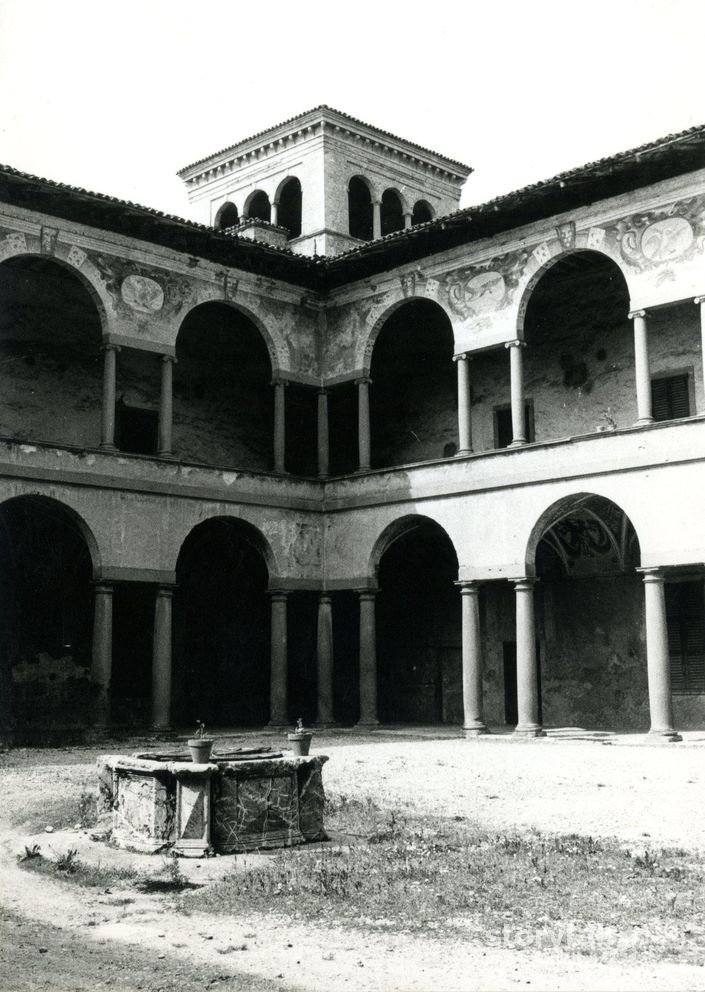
{"type": "Point", "coordinates": [528, 732]}
{"type": "Point", "coordinates": [644, 421]}
{"type": "Point", "coordinates": [519, 443]}
{"type": "Point", "coordinates": [108, 447]}
{"type": "Point", "coordinates": [167, 455]}
{"type": "Point", "coordinates": [366, 725]}
{"type": "Point", "coordinates": [475, 730]}
{"type": "Point", "coordinates": [669, 736]}
{"type": "Point", "coordinates": [462, 452]}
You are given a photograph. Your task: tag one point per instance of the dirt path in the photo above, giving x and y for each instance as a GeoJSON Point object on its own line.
{"type": "Point", "coordinates": [127, 940]}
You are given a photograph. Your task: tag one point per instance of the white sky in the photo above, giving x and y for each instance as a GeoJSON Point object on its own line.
{"type": "Point", "coordinates": [116, 96]}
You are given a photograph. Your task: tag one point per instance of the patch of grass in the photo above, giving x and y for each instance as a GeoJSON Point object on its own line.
{"type": "Point", "coordinates": [511, 889]}
{"type": "Point", "coordinates": [68, 865]}
{"type": "Point", "coordinates": [78, 808]}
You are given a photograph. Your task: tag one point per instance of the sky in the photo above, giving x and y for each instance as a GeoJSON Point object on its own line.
{"type": "Point", "coordinates": [116, 96]}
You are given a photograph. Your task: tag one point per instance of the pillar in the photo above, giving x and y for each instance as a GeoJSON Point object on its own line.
{"type": "Point", "coordinates": [516, 387]}
{"type": "Point", "coordinates": [368, 660]}
{"type": "Point", "coordinates": [107, 433]}
{"type": "Point", "coordinates": [376, 219]}
{"type": "Point", "coordinates": [363, 423]}
{"type": "Point", "coordinates": [464, 408]}
{"type": "Point", "coordinates": [700, 301]}
{"type": "Point", "coordinates": [102, 655]}
{"type": "Point", "coordinates": [527, 674]}
{"type": "Point", "coordinates": [278, 706]}
{"type": "Point", "coordinates": [166, 407]}
{"type": "Point", "coordinates": [279, 426]}
{"type": "Point", "coordinates": [408, 217]}
{"type": "Point", "coordinates": [323, 442]}
{"type": "Point", "coordinates": [657, 656]}
{"type": "Point", "coordinates": [324, 652]}
{"type": "Point", "coordinates": [641, 368]}
{"type": "Point", "coordinates": [274, 212]}
{"type": "Point", "coordinates": [473, 724]}
{"type": "Point", "coordinates": [161, 659]}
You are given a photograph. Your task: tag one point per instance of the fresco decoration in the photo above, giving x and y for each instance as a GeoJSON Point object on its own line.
{"type": "Point", "coordinates": [140, 289]}
{"type": "Point", "coordinates": [12, 243]}
{"type": "Point", "coordinates": [486, 288]}
{"type": "Point", "coordinates": [652, 238]}
{"type": "Point", "coordinates": [595, 536]}
{"type": "Point", "coordinates": [48, 239]}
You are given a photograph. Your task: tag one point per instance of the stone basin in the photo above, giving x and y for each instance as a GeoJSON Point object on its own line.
{"type": "Point", "coordinates": [239, 801]}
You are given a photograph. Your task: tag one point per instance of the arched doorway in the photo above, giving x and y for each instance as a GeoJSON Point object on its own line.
{"type": "Point", "coordinates": [359, 209]}
{"type": "Point", "coordinates": [413, 404]}
{"type": "Point", "coordinates": [590, 609]}
{"type": "Point", "coordinates": [223, 404]}
{"type": "Point", "coordinates": [392, 214]}
{"type": "Point", "coordinates": [418, 625]}
{"type": "Point", "coordinates": [46, 572]}
{"type": "Point", "coordinates": [259, 207]}
{"type": "Point", "coordinates": [50, 340]}
{"type": "Point", "coordinates": [289, 213]}
{"type": "Point", "coordinates": [222, 626]}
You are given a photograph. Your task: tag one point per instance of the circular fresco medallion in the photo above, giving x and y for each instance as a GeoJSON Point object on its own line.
{"type": "Point", "coordinates": [142, 294]}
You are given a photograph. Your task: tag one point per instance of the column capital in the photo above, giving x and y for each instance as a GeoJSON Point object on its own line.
{"type": "Point", "coordinates": [110, 346]}
{"type": "Point", "coordinates": [104, 586]}
{"type": "Point", "coordinates": [524, 582]}
{"type": "Point", "coordinates": [278, 380]}
{"type": "Point", "coordinates": [363, 380]}
{"type": "Point", "coordinates": [516, 343]}
{"type": "Point", "coordinates": [468, 586]}
{"type": "Point", "coordinates": [652, 574]}
{"type": "Point", "coordinates": [376, 202]}
{"type": "Point", "coordinates": [698, 300]}
{"type": "Point", "coordinates": [636, 313]}
{"type": "Point", "coordinates": [278, 595]}
{"type": "Point", "coordinates": [166, 592]}
{"type": "Point", "coordinates": [323, 390]}
{"type": "Point", "coordinates": [465, 357]}
{"type": "Point", "coordinates": [168, 358]}
{"type": "Point", "coordinates": [367, 593]}
{"type": "Point", "coordinates": [325, 597]}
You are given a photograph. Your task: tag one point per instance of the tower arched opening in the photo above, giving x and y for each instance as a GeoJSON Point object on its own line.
{"type": "Point", "coordinates": [359, 209]}
{"type": "Point", "coordinates": [222, 626]}
{"type": "Point", "coordinates": [290, 203]}
{"type": "Point", "coordinates": [392, 212]}
{"type": "Point", "coordinates": [223, 404]}
{"type": "Point", "coordinates": [227, 216]}
{"type": "Point", "coordinates": [422, 213]}
{"type": "Point", "coordinates": [418, 626]}
{"type": "Point", "coordinates": [413, 393]}
{"type": "Point", "coordinates": [50, 341]}
{"type": "Point", "coordinates": [259, 207]}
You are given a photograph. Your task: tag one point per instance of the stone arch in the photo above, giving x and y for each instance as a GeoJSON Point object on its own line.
{"type": "Point", "coordinates": [227, 216]}
{"type": "Point", "coordinates": [422, 213]}
{"type": "Point", "coordinates": [360, 193]}
{"type": "Point", "coordinates": [393, 207]}
{"type": "Point", "coordinates": [620, 536]}
{"type": "Point", "coordinates": [544, 257]}
{"type": "Point", "coordinates": [72, 515]}
{"type": "Point", "coordinates": [289, 198]}
{"type": "Point", "coordinates": [258, 205]}
{"type": "Point", "coordinates": [77, 264]}
{"type": "Point", "coordinates": [251, 531]}
{"type": "Point", "coordinates": [381, 312]}
{"type": "Point", "coordinates": [276, 349]}
{"type": "Point", "coordinates": [399, 528]}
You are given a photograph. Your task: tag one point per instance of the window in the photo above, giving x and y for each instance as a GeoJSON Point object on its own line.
{"type": "Point", "coordinates": [503, 434]}
{"type": "Point", "coordinates": [359, 209]}
{"type": "Point", "coordinates": [136, 429]}
{"type": "Point", "coordinates": [685, 616]}
{"type": "Point", "coordinates": [670, 396]}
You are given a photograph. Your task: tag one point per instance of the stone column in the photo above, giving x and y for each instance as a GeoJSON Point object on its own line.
{"type": "Point", "coordinates": [161, 659]}
{"type": "Point", "coordinates": [464, 407]}
{"type": "Point", "coordinates": [657, 656]}
{"type": "Point", "coordinates": [278, 707]}
{"type": "Point", "coordinates": [473, 724]}
{"type": "Point", "coordinates": [408, 218]}
{"type": "Point", "coordinates": [102, 655]}
{"type": "Point", "coordinates": [274, 212]}
{"type": "Point", "coordinates": [527, 674]}
{"type": "Point", "coordinates": [323, 441]}
{"type": "Point", "coordinates": [363, 423]}
{"type": "Point", "coordinates": [166, 407]}
{"type": "Point", "coordinates": [279, 426]}
{"type": "Point", "coordinates": [700, 301]}
{"type": "Point", "coordinates": [641, 368]}
{"type": "Point", "coordinates": [516, 387]}
{"type": "Point", "coordinates": [376, 219]}
{"type": "Point", "coordinates": [107, 434]}
{"type": "Point", "coordinates": [324, 714]}
{"type": "Point", "coordinates": [368, 660]}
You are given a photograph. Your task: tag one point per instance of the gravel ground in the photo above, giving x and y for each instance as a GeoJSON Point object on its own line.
{"type": "Point", "coordinates": [645, 795]}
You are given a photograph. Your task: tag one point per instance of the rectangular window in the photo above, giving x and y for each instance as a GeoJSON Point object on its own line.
{"type": "Point", "coordinates": [670, 396]}
{"type": "Point", "coordinates": [503, 434]}
{"type": "Point", "coordinates": [685, 615]}
{"type": "Point", "coordinates": [136, 429]}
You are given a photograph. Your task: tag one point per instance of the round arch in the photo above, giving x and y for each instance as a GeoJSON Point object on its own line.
{"type": "Point", "coordinates": [289, 197]}
{"type": "Point", "coordinates": [71, 516]}
{"type": "Point", "coordinates": [614, 533]}
{"type": "Point", "coordinates": [257, 205]}
{"type": "Point", "coordinates": [399, 528]}
{"type": "Point", "coordinates": [422, 213]}
{"type": "Point", "coordinates": [251, 534]}
{"type": "Point", "coordinates": [557, 254]}
{"type": "Point", "coordinates": [392, 210]}
{"type": "Point", "coordinates": [368, 343]}
{"type": "Point", "coordinates": [227, 216]}
{"type": "Point", "coordinates": [274, 348]}
{"type": "Point", "coordinates": [360, 194]}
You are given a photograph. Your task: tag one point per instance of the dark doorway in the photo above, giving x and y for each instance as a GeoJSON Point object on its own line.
{"type": "Point", "coordinates": [133, 626]}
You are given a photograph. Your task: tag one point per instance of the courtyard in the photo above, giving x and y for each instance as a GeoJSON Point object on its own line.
{"type": "Point", "coordinates": [569, 862]}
